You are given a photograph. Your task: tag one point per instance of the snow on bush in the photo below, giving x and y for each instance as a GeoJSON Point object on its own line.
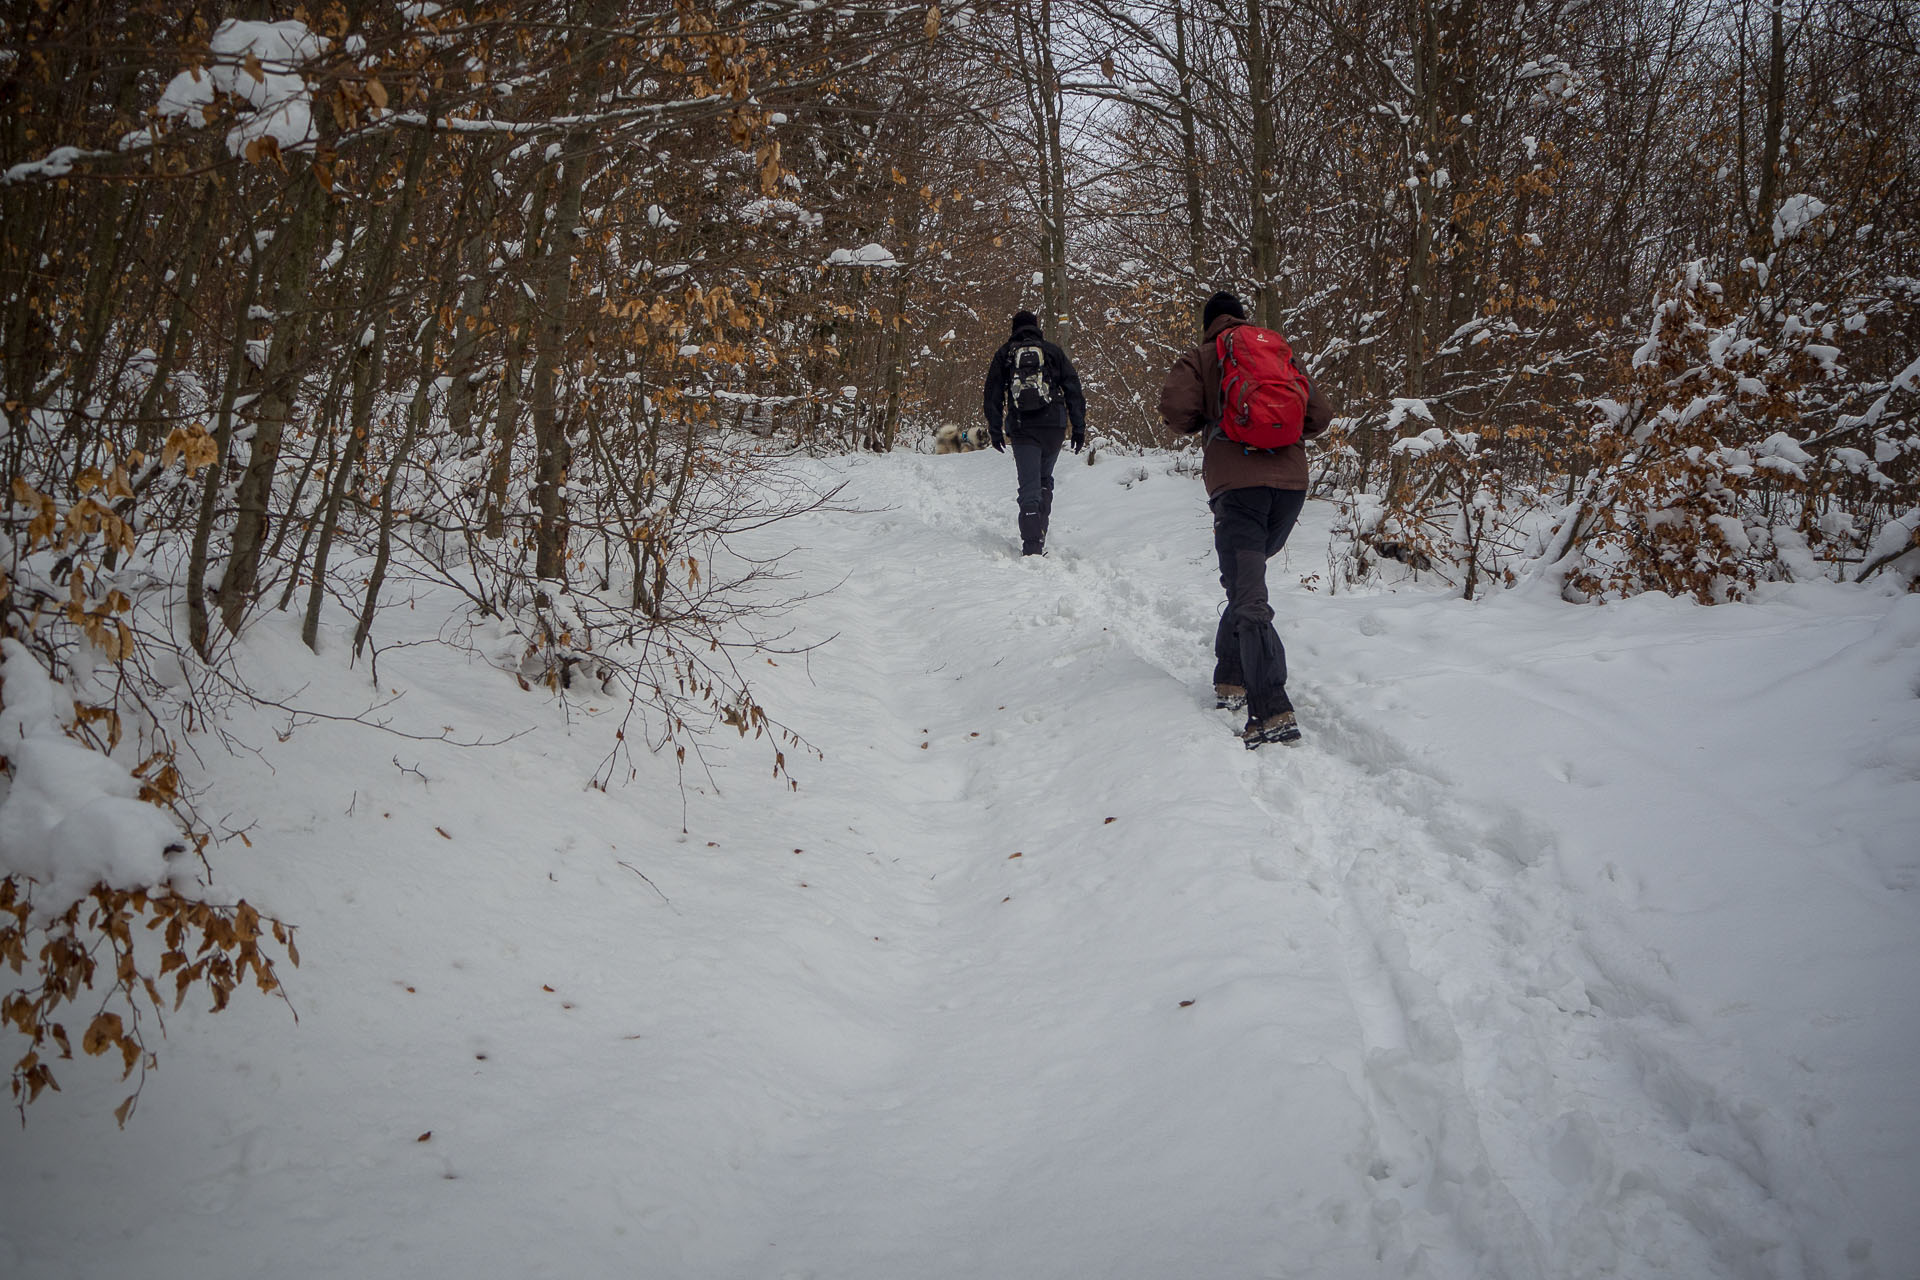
{"type": "Point", "coordinates": [1796, 214]}
{"type": "Point", "coordinates": [92, 845]}
{"type": "Point", "coordinates": [256, 65]}
{"type": "Point", "coordinates": [70, 817]}
{"type": "Point", "coordinates": [1896, 549]}
{"type": "Point", "coordinates": [867, 255]}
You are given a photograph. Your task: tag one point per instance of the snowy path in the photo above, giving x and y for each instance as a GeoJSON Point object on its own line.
{"type": "Point", "coordinates": [1485, 1103]}
{"type": "Point", "coordinates": [1415, 999]}
{"type": "Point", "coordinates": [1050, 1107]}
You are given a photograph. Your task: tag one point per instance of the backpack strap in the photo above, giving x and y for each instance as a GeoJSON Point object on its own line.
{"type": "Point", "coordinates": [1212, 431]}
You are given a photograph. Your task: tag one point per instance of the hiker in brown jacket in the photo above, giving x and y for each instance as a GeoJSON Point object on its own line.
{"type": "Point", "coordinates": [1256, 496]}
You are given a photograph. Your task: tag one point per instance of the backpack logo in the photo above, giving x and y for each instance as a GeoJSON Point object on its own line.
{"type": "Point", "coordinates": [1029, 388]}
{"type": "Point", "coordinates": [1263, 394]}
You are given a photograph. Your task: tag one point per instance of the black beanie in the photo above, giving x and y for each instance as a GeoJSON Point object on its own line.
{"type": "Point", "coordinates": [1025, 320]}
{"type": "Point", "coordinates": [1221, 304]}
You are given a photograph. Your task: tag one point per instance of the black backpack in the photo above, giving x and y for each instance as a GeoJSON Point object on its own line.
{"type": "Point", "coordinates": [1029, 387]}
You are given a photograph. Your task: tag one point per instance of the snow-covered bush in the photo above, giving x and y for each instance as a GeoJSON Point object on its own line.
{"type": "Point", "coordinates": [1706, 476]}
{"type": "Point", "coordinates": [99, 853]}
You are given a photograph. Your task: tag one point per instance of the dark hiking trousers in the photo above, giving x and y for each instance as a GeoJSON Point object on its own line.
{"type": "Point", "coordinates": [1249, 525]}
{"type": "Point", "coordinates": [1033, 461]}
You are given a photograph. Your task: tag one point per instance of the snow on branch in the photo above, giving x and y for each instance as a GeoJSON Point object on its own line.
{"type": "Point", "coordinates": [867, 255]}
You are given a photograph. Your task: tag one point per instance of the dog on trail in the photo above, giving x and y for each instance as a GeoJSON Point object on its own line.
{"type": "Point", "coordinates": [952, 439]}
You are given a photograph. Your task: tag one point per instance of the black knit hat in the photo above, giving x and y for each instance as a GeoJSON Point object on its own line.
{"type": "Point", "coordinates": [1025, 320]}
{"type": "Point", "coordinates": [1221, 304]}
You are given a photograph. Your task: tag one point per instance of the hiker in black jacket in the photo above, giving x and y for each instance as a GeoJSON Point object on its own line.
{"type": "Point", "coordinates": [1034, 389]}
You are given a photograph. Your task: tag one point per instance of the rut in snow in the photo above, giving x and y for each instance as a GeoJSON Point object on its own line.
{"type": "Point", "coordinates": [1512, 1118]}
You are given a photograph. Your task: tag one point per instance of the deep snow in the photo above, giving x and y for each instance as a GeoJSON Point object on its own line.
{"type": "Point", "coordinates": [1574, 942]}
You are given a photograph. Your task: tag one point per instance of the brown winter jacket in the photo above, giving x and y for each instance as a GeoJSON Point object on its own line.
{"type": "Point", "coordinates": [1190, 402]}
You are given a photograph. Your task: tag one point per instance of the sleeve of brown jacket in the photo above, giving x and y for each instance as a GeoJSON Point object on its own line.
{"type": "Point", "coordinates": [1182, 401]}
{"type": "Point", "coordinates": [1319, 411]}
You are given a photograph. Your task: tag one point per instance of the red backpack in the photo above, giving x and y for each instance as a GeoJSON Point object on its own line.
{"type": "Point", "coordinates": [1263, 394]}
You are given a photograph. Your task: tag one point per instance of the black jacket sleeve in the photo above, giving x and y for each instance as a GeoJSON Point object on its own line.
{"type": "Point", "coordinates": [1070, 388]}
{"type": "Point", "coordinates": [994, 401]}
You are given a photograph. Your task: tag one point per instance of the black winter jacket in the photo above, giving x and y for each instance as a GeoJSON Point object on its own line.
{"type": "Point", "coordinates": [1069, 406]}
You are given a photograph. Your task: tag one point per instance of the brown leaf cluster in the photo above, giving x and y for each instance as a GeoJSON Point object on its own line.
{"type": "Point", "coordinates": [98, 946]}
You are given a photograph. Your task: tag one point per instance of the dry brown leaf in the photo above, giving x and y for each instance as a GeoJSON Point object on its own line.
{"type": "Point", "coordinates": [105, 1032]}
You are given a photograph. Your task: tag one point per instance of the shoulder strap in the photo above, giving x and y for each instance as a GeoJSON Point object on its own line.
{"type": "Point", "coordinates": [1212, 432]}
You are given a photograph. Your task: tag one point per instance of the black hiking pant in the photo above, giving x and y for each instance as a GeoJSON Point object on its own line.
{"type": "Point", "coordinates": [1033, 459]}
{"type": "Point", "coordinates": [1249, 526]}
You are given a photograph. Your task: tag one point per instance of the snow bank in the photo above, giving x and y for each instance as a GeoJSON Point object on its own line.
{"type": "Point", "coordinates": [70, 817]}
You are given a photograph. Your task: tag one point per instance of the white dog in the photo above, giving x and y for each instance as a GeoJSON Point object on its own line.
{"type": "Point", "coordinates": [952, 439]}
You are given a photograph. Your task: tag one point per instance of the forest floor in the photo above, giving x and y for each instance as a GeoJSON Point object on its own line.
{"type": "Point", "coordinates": [1572, 942]}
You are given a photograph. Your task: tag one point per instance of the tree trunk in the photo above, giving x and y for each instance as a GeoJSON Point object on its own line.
{"type": "Point", "coordinates": [1060, 301]}
{"type": "Point", "coordinates": [1264, 245]}
{"type": "Point", "coordinates": [1190, 153]}
{"type": "Point", "coordinates": [367, 365]}
{"type": "Point", "coordinates": [506, 422]}
{"type": "Point", "coordinates": [147, 428]}
{"type": "Point", "coordinates": [1760, 244]}
{"type": "Point", "coordinates": [416, 417]}
{"type": "Point", "coordinates": [463, 360]}
{"type": "Point", "coordinates": [553, 454]}
{"type": "Point", "coordinates": [291, 314]}
{"type": "Point", "coordinates": [368, 357]}
{"type": "Point", "coordinates": [197, 556]}
{"type": "Point", "coordinates": [1033, 55]}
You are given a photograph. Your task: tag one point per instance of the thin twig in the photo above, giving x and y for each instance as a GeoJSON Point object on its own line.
{"type": "Point", "coordinates": [643, 875]}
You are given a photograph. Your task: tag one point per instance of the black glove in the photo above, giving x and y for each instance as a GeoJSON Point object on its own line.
{"type": "Point", "coordinates": [1079, 441]}
{"type": "Point", "coordinates": [999, 443]}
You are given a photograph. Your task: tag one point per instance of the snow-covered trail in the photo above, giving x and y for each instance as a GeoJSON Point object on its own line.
{"type": "Point", "coordinates": [1535, 961]}
{"type": "Point", "coordinates": [1109, 1046]}
{"type": "Point", "coordinates": [1478, 1076]}
{"type": "Point", "coordinates": [1343, 900]}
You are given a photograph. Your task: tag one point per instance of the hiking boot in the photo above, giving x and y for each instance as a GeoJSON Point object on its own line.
{"type": "Point", "coordinates": [1275, 728]}
{"type": "Point", "coordinates": [1033, 533]}
{"type": "Point", "coordinates": [1229, 697]}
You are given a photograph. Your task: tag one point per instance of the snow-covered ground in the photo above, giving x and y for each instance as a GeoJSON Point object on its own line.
{"type": "Point", "coordinates": [1573, 942]}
